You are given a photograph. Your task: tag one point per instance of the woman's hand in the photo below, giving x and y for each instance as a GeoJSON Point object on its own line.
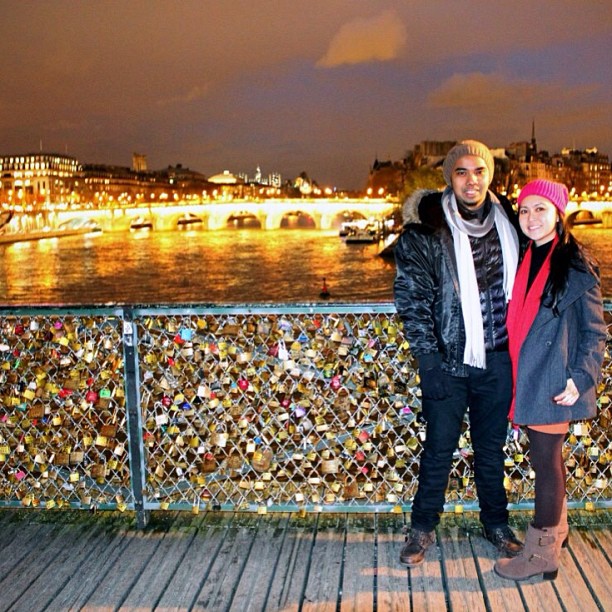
{"type": "Point", "coordinates": [569, 395]}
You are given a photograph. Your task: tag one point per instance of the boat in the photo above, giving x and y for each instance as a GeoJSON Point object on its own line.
{"type": "Point", "coordinates": [188, 219]}
{"type": "Point", "coordinates": [362, 236]}
{"type": "Point", "coordinates": [346, 228]}
{"type": "Point", "coordinates": [141, 223]}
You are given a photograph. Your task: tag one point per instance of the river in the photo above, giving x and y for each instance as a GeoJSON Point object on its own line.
{"type": "Point", "coordinates": [230, 266]}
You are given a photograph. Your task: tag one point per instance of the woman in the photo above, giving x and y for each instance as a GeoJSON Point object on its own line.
{"type": "Point", "coordinates": [556, 341]}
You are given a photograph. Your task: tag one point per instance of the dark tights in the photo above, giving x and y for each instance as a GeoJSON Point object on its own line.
{"type": "Point", "coordinates": [547, 462]}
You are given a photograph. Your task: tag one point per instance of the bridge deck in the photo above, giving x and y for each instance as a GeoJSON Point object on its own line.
{"type": "Point", "coordinates": [223, 561]}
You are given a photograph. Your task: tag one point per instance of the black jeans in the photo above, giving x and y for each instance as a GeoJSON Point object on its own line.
{"type": "Point", "coordinates": [487, 392]}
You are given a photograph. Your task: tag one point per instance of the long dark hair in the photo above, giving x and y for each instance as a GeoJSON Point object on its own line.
{"type": "Point", "coordinates": [568, 253]}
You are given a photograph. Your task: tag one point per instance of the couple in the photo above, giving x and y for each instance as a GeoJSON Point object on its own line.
{"type": "Point", "coordinates": [520, 341]}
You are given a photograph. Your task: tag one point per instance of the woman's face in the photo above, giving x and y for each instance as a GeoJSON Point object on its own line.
{"type": "Point", "coordinates": [538, 219]}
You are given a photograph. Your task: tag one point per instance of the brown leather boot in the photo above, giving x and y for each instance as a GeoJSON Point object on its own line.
{"type": "Point", "coordinates": [504, 540]}
{"type": "Point", "coordinates": [563, 527]}
{"type": "Point", "coordinates": [417, 542]}
{"type": "Point", "coordinates": [540, 556]}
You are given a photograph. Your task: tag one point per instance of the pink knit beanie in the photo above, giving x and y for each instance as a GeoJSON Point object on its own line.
{"type": "Point", "coordinates": [551, 190]}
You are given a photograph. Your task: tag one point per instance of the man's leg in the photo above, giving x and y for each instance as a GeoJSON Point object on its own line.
{"type": "Point", "coordinates": [489, 400]}
{"type": "Point", "coordinates": [444, 420]}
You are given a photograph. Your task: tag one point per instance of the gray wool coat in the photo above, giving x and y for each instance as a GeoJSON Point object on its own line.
{"type": "Point", "coordinates": [570, 345]}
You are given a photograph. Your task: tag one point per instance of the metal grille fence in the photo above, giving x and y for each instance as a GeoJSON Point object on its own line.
{"type": "Point", "coordinates": [260, 408]}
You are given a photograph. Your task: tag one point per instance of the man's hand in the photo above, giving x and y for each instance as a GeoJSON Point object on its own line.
{"type": "Point", "coordinates": [434, 383]}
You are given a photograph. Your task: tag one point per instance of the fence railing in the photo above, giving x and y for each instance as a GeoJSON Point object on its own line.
{"type": "Point", "coordinates": [253, 407]}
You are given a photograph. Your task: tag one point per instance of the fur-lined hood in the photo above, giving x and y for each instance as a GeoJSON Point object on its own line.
{"type": "Point", "coordinates": [410, 208]}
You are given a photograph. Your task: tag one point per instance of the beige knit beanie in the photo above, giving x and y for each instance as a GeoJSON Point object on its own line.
{"type": "Point", "coordinates": [467, 147]}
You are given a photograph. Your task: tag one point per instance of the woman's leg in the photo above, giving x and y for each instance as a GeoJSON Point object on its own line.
{"type": "Point", "coordinates": [544, 536]}
{"type": "Point", "coordinates": [547, 461]}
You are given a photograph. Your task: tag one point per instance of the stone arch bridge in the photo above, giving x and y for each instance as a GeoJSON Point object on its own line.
{"type": "Point", "coordinates": [323, 213]}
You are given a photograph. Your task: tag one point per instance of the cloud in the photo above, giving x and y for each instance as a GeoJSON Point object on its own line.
{"type": "Point", "coordinates": [494, 94]}
{"type": "Point", "coordinates": [366, 40]}
{"type": "Point", "coordinates": [496, 109]}
{"type": "Point", "coordinates": [195, 93]}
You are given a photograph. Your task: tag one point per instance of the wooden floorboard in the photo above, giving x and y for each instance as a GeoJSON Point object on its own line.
{"type": "Point", "coordinates": [358, 568]}
{"type": "Point", "coordinates": [263, 564]}
{"type": "Point", "coordinates": [194, 567]}
{"type": "Point", "coordinates": [286, 591]}
{"type": "Point", "coordinates": [46, 549]}
{"type": "Point", "coordinates": [65, 563]}
{"type": "Point", "coordinates": [218, 590]}
{"type": "Point", "coordinates": [393, 591]}
{"type": "Point", "coordinates": [93, 567]}
{"type": "Point", "coordinates": [325, 565]}
{"type": "Point", "coordinates": [159, 572]}
{"type": "Point", "coordinates": [498, 594]}
{"type": "Point", "coordinates": [461, 570]}
{"type": "Point", "coordinates": [593, 565]}
{"type": "Point", "coordinates": [281, 562]}
{"type": "Point", "coordinates": [426, 582]}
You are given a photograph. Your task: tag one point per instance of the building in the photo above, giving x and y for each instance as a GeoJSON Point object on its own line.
{"type": "Point", "coordinates": [386, 178]}
{"type": "Point", "coordinates": [186, 182]}
{"type": "Point", "coordinates": [587, 171]}
{"type": "Point", "coordinates": [35, 178]}
{"type": "Point", "coordinates": [103, 184]}
{"type": "Point", "coordinates": [139, 162]}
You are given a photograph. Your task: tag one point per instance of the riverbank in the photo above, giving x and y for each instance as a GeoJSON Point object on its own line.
{"type": "Point", "coordinates": [60, 233]}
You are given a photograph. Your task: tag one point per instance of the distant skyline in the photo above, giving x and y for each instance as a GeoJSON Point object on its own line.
{"type": "Point", "coordinates": [300, 85]}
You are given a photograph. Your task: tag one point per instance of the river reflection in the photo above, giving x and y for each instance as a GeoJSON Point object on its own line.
{"type": "Point", "coordinates": [221, 267]}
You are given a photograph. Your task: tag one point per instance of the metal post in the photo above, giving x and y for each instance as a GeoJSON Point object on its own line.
{"type": "Point", "coordinates": [134, 416]}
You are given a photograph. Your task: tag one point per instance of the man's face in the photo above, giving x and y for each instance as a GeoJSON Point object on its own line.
{"type": "Point", "coordinates": [470, 180]}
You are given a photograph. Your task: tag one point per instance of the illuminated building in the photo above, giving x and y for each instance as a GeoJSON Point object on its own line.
{"type": "Point", "coordinates": [38, 177]}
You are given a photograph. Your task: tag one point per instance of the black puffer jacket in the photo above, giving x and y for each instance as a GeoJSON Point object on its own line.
{"type": "Point", "coordinates": [427, 286]}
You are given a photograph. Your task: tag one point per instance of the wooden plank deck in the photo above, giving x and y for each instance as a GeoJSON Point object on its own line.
{"type": "Point", "coordinates": [74, 560]}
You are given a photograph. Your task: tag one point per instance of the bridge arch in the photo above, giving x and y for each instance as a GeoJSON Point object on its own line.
{"type": "Point", "coordinates": [244, 220]}
{"type": "Point", "coordinates": [179, 220]}
{"type": "Point", "coordinates": [321, 213]}
{"type": "Point", "coordinates": [582, 217]}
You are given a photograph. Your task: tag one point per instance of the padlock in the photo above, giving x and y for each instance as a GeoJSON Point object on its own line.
{"type": "Point", "coordinates": [262, 459]}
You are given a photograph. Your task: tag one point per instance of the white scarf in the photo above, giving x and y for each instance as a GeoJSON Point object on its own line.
{"type": "Point", "coordinates": [469, 295]}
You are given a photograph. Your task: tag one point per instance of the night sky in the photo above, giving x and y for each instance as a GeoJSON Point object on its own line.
{"type": "Point", "coordinates": [321, 86]}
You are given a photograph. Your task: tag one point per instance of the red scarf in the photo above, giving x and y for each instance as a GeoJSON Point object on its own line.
{"type": "Point", "coordinates": [523, 308]}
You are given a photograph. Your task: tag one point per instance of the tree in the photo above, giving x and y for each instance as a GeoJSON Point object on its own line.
{"type": "Point", "coordinates": [422, 177]}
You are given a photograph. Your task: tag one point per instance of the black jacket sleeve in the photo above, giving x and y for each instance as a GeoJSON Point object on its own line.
{"type": "Point", "coordinates": [415, 290]}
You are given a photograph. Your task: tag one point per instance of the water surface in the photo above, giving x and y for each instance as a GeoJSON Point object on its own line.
{"type": "Point", "coordinates": [198, 266]}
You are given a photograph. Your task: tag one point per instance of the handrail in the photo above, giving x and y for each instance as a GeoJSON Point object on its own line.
{"type": "Point", "coordinates": [258, 407]}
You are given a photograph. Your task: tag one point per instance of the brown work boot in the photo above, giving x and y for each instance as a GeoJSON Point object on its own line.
{"type": "Point", "coordinates": [417, 542]}
{"type": "Point", "coordinates": [504, 540]}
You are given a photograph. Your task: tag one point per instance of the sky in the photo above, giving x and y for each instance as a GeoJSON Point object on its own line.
{"type": "Point", "coordinates": [317, 86]}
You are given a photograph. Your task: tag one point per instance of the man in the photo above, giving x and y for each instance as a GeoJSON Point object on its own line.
{"type": "Point", "coordinates": [456, 261]}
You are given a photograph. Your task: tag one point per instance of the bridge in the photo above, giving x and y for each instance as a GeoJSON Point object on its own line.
{"type": "Point", "coordinates": [270, 214]}
{"type": "Point", "coordinates": [590, 212]}
{"type": "Point", "coordinates": [320, 213]}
